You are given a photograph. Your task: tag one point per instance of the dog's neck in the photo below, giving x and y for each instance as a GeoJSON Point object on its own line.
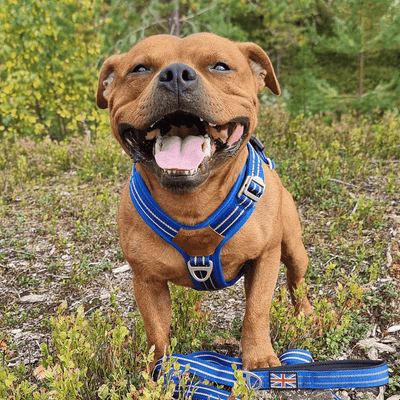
{"type": "Point", "coordinates": [195, 207]}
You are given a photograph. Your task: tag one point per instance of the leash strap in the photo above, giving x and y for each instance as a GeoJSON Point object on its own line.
{"type": "Point", "coordinates": [206, 271]}
{"type": "Point", "coordinates": [298, 371]}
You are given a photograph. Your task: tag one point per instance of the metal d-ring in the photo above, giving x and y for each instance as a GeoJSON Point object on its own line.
{"type": "Point", "coordinates": [206, 268]}
{"type": "Point", "coordinates": [248, 375]}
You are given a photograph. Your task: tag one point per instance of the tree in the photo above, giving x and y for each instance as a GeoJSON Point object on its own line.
{"type": "Point", "coordinates": [47, 67]}
{"type": "Point", "coordinates": [361, 29]}
{"type": "Point", "coordinates": [130, 22]}
{"type": "Point", "coordinates": [278, 26]}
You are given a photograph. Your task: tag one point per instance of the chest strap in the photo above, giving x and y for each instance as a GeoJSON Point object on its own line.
{"type": "Point", "coordinates": [201, 244]}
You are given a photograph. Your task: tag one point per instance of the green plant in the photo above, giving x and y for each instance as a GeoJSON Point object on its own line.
{"type": "Point", "coordinates": [48, 69]}
{"type": "Point", "coordinates": [190, 325]}
{"type": "Point", "coordinates": [394, 379]}
{"type": "Point", "coordinates": [325, 332]}
{"type": "Point", "coordinates": [27, 281]}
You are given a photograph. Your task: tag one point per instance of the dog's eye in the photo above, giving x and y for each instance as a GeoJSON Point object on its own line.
{"type": "Point", "coordinates": [139, 68]}
{"type": "Point", "coordinates": [220, 66]}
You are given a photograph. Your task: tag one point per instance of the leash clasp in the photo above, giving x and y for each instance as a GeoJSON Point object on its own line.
{"type": "Point", "coordinates": [197, 268]}
{"type": "Point", "coordinates": [256, 385]}
{"type": "Point", "coordinates": [257, 180]}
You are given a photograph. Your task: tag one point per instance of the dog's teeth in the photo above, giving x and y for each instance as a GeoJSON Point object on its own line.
{"type": "Point", "coordinates": [157, 148]}
{"type": "Point", "coordinates": [157, 145]}
{"type": "Point", "coordinates": [207, 147]}
{"type": "Point", "coordinates": [201, 119]}
{"type": "Point", "coordinates": [180, 172]}
{"type": "Point", "coordinates": [213, 125]}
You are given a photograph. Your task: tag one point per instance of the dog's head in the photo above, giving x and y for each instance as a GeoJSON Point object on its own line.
{"type": "Point", "coordinates": [182, 107]}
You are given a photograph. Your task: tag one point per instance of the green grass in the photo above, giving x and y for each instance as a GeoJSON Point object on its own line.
{"type": "Point", "coordinates": [58, 207]}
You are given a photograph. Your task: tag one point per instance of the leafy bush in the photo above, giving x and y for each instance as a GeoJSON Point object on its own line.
{"type": "Point", "coordinates": [98, 356]}
{"type": "Point", "coordinates": [190, 325]}
{"type": "Point", "coordinates": [325, 333]}
{"type": "Point", "coordinates": [48, 68]}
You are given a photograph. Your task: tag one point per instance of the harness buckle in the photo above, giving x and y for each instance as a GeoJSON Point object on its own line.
{"type": "Point", "coordinates": [205, 268]}
{"type": "Point", "coordinates": [245, 187]}
{"type": "Point", "coordinates": [256, 385]}
{"type": "Point", "coordinates": [255, 141]}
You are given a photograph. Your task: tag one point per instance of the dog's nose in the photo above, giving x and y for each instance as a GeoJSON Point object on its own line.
{"type": "Point", "coordinates": [178, 78]}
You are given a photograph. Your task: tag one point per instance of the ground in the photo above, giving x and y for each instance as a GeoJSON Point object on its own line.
{"type": "Point", "coordinates": [59, 243]}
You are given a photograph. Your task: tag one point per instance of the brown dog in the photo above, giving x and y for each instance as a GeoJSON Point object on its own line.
{"type": "Point", "coordinates": [199, 94]}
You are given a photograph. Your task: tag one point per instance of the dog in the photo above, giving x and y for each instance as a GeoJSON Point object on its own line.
{"type": "Point", "coordinates": [185, 110]}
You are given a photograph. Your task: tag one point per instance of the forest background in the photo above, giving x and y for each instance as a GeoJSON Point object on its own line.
{"type": "Point", "coordinates": [329, 56]}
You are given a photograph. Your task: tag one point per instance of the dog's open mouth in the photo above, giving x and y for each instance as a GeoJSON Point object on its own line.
{"type": "Point", "coordinates": [184, 145]}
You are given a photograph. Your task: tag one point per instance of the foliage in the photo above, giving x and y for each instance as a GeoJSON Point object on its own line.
{"type": "Point", "coordinates": [97, 355]}
{"type": "Point", "coordinates": [308, 94]}
{"type": "Point", "coordinates": [130, 22]}
{"type": "Point", "coordinates": [327, 332]}
{"type": "Point", "coordinates": [189, 322]}
{"type": "Point", "coordinates": [50, 60]}
{"type": "Point", "coordinates": [48, 68]}
{"type": "Point", "coordinates": [340, 170]}
{"type": "Point", "coordinates": [394, 380]}
{"type": "Point", "coordinates": [359, 33]}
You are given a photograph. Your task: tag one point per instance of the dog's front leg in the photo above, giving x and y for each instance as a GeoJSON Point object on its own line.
{"type": "Point", "coordinates": [260, 282]}
{"type": "Point", "coordinates": [154, 301]}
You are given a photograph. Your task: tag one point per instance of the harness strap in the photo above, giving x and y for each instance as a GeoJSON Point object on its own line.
{"type": "Point", "coordinates": [205, 268]}
{"type": "Point", "coordinates": [296, 372]}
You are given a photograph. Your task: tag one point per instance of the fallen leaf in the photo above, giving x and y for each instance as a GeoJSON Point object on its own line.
{"type": "Point", "coordinates": [39, 372]}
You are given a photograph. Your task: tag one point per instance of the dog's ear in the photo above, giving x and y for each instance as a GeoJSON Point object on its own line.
{"type": "Point", "coordinates": [262, 66]}
{"type": "Point", "coordinates": [106, 78]}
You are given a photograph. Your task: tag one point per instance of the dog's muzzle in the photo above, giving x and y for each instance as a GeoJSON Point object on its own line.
{"type": "Point", "coordinates": [181, 147]}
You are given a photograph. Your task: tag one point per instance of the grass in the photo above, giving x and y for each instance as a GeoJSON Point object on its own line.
{"type": "Point", "coordinates": [58, 207]}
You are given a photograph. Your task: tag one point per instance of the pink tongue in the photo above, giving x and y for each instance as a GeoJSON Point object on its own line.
{"type": "Point", "coordinates": [180, 154]}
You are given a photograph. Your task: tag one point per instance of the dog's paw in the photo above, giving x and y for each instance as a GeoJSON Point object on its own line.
{"type": "Point", "coordinates": [258, 361]}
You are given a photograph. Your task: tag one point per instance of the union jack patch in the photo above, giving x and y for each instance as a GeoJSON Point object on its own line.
{"type": "Point", "coordinates": [281, 380]}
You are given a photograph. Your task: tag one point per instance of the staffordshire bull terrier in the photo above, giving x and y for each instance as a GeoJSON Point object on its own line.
{"type": "Point", "coordinates": [185, 110]}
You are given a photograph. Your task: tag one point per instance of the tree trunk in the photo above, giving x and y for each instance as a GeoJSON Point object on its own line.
{"type": "Point", "coordinates": [174, 19]}
{"type": "Point", "coordinates": [360, 82]}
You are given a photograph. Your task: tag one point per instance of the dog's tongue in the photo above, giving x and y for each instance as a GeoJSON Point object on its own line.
{"type": "Point", "coordinates": [180, 154]}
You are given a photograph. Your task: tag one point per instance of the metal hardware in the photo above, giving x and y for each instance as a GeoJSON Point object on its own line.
{"type": "Point", "coordinates": [248, 375]}
{"type": "Point", "coordinates": [206, 268]}
{"type": "Point", "coordinates": [245, 187]}
{"type": "Point", "coordinates": [257, 142]}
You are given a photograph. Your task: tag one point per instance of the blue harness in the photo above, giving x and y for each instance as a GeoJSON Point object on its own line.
{"type": "Point", "coordinates": [205, 266]}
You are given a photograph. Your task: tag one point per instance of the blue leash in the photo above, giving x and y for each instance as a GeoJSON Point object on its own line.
{"type": "Point", "coordinates": [298, 371]}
